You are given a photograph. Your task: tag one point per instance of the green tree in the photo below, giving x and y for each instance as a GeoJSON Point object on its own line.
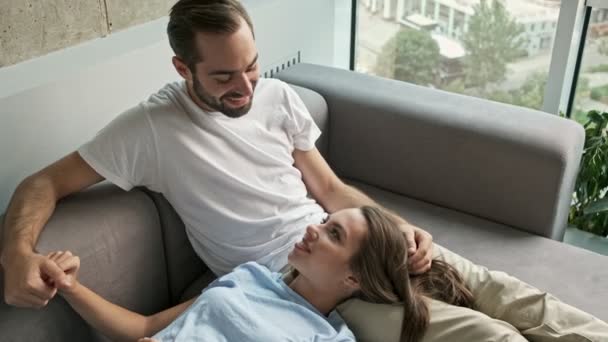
{"type": "Point", "coordinates": [410, 55]}
{"type": "Point", "coordinates": [532, 92]}
{"type": "Point", "coordinates": [500, 96]}
{"type": "Point", "coordinates": [492, 40]}
{"type": "Point", "coordinates": [455, 86]}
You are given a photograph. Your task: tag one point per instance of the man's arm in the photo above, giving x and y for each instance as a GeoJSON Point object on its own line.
{"type": "Point", "coordinates": [329, 190]}
{"type": "Point", "coordinates": [30, 207]}
{"type": "Point", "coordinates": [324, 185]}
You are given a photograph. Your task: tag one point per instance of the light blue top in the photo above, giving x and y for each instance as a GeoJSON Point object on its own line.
{"type": "Point", "coordinates": [251, 303]}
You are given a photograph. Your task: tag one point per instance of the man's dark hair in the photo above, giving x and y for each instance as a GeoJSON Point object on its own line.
{"type": "Point", "coordinates": [188, 17]}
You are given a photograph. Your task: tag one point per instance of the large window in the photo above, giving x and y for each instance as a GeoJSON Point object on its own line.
{"type": "Point", "coordinates": [499, 50]}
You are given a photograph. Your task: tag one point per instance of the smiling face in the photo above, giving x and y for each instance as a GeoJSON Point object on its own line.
{"type": "Point", "coordinates": [325, 252]}
{"type": "Point", "coordinates": [225, 78]}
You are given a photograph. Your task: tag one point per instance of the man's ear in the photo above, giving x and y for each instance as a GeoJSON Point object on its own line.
{"type": "Point", "coordinates": [182, 69]}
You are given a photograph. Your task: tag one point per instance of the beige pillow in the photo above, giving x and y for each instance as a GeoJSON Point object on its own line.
{"type": "Point", "coordinates": [382, 323]}
{"type": "Point", "coordinates": [372, 322]}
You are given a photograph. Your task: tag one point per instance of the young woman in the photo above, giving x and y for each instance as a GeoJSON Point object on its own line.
{"type": "Point", "coordinates": [355, 252]}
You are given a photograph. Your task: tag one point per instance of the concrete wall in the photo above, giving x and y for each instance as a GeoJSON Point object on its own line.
{"type": "Point", "coordinates": [52, 104]}
{"type": "Point", "coordinates": [30, 28]}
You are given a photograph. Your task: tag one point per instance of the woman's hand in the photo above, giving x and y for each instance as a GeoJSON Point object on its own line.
{"type": "Point", "coordinates": [147, 339]}
{"type": "Point", "coordinates": [69, 264]}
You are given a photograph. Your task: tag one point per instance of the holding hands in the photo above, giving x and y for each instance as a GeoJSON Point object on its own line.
{"type": "Point", "coordinates": [28, 284]}
{"type": "Point", "coordinates": [69, 264]}
{"type": "Point", "coordinates": [39, 277]}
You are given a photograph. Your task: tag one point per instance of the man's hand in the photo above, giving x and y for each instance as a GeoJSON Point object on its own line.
{"type": "Point", "coordinates": [24, 280]}
{"type": "Point", "coordinates": [69, 264]}
{"type": "Point", "coordinates": [419, 248]}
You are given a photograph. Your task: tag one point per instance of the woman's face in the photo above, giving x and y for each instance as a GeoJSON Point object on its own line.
{"type": "Point", "coordinates": [324, 254]}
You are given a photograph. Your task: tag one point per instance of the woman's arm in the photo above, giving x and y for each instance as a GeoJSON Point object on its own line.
{"type": "Point", "coordinates": [116, 322]}
{"type": "Point", "coordinates": [160, 320]}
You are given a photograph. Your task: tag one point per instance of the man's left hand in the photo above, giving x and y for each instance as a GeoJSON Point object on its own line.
{"type": "Point", "coordinates": [420, 248]}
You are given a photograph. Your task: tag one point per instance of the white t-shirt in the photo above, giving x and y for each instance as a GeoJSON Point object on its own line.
{"type": "Point", "coordinates": [232, 181]}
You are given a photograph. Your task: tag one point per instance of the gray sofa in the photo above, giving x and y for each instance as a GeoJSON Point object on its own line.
{"type": "Point", "coordinates": [490, 181]}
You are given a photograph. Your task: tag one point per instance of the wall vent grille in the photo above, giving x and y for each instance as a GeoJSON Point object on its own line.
{"type": "Point", "coordinates": [274, 68]}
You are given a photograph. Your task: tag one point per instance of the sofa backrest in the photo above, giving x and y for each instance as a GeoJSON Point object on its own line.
{"type": "Point", "coordinates": [509, 164]}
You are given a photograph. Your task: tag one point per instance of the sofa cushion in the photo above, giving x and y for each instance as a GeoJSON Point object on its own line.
{"type": "Point", "coordinates": [382, 322]}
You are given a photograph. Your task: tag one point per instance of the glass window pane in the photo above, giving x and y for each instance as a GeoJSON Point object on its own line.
{"type": "Point", "coordinates": [592, 84]}
{"type": "Point", "coordinates": [463, 46]}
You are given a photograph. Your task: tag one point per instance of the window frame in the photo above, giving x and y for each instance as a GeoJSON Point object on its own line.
{"type": "Point", "coordinates": [566, 59]}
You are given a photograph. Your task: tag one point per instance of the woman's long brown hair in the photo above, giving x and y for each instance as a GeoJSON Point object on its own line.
{"type": "Point", "coordinates": [381, 266]}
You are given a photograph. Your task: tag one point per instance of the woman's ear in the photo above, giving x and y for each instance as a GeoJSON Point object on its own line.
{"type": "Point", "coordinates": [352, 282]}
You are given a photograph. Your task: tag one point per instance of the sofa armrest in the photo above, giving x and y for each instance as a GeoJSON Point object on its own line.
{"type": "Point", "coordinates": [117, 236]}
{"type": "Point", "coordinates": [509, 164]}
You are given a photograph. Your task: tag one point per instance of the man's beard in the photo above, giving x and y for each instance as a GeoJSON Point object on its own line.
{"type": "Point", "coordinates": [217, 104]}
